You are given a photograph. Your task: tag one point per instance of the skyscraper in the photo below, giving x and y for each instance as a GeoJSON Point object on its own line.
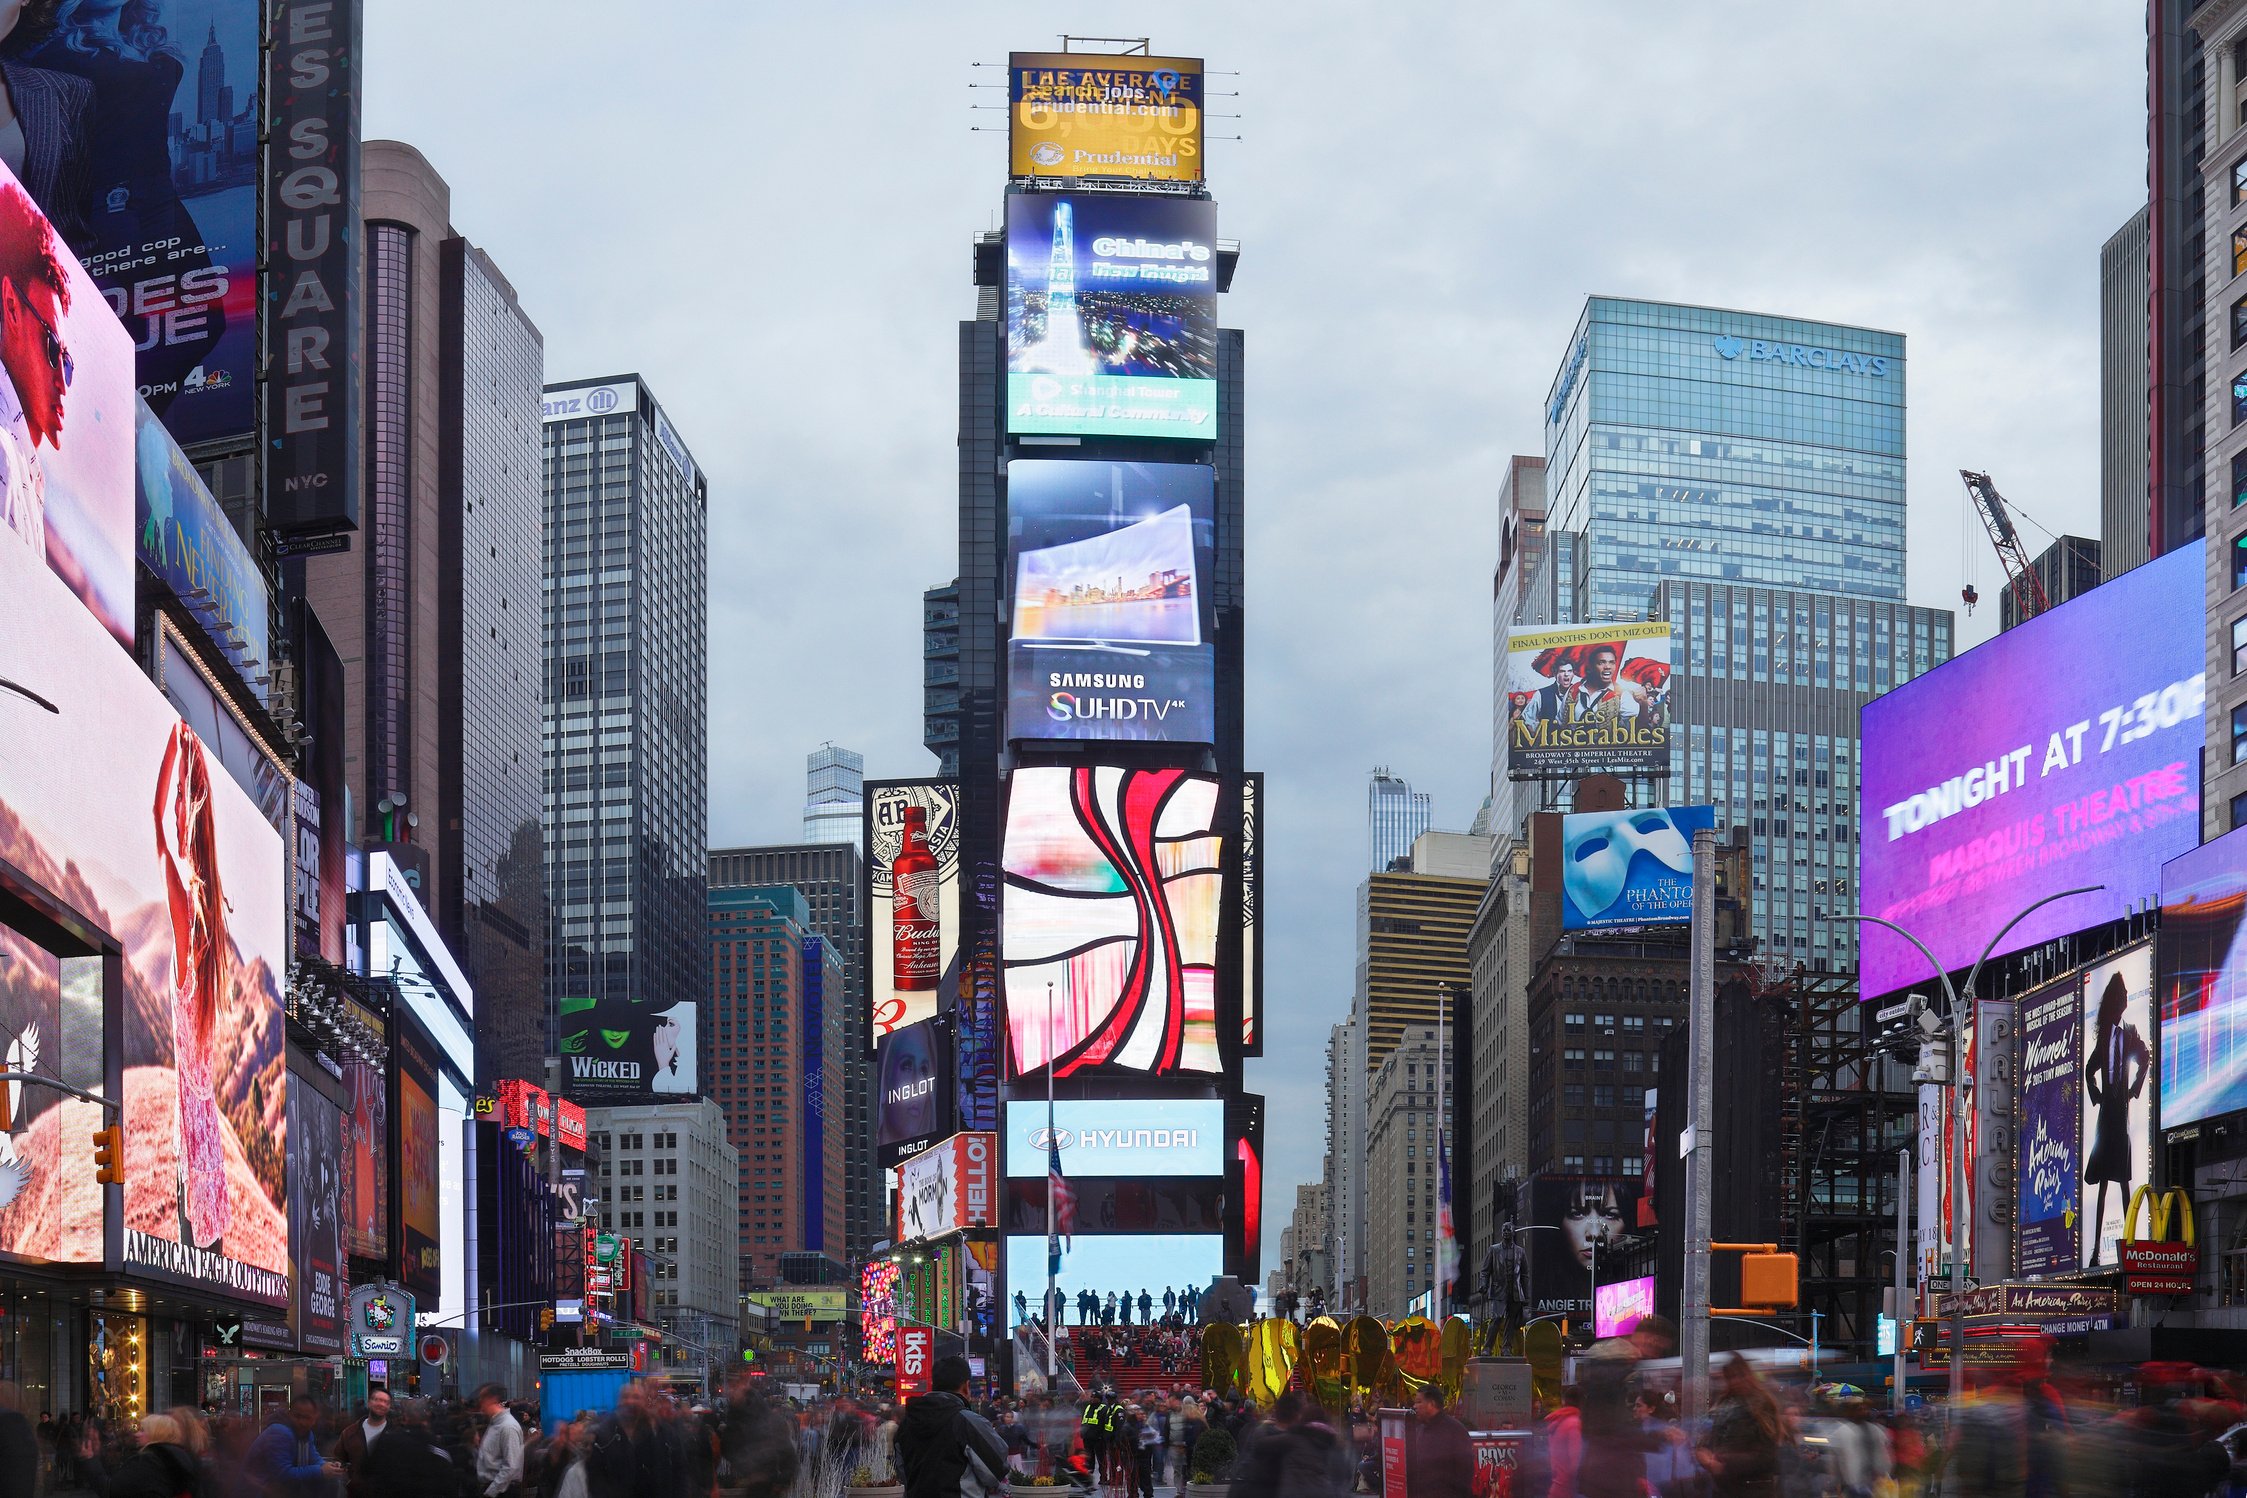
{"type": "Point", "coordinates": [2219, 192]}
{"type": "Point", "coordinates": [940, 677]}
{"type": "Point", "coordinates": [1395, 814]}
{"type": "Point", "coordinates": [2122, 398]}
{"type": "Point", "coordinates": [435, 611]}
{"type": "Point", "coordinates": [834, 795]}
{"type": "Point", "coordinates": [2179, 112]}
{"type": "Point", "coordinates": [626, 706]}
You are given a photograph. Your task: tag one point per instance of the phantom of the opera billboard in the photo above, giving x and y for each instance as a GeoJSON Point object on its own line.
{"type": "Point", "coordinates": [1588, 700]}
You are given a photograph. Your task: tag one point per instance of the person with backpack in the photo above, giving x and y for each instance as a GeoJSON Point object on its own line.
{"type": "Point", "coordinates": [944, 1448]}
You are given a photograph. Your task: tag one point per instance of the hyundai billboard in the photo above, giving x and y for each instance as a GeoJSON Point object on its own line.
{"type": "Point", "coordinates": [1117, 1137]}
{"type": "Point", "coordinates": [2061, 754]}
{"type": "Point", "coordinates": [1112, 632]}
{"type": "Point", "coordinates": [1111, 315]}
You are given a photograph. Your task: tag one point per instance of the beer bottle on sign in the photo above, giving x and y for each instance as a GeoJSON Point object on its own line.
{"type": "Point", "coordinates": [915, 914]}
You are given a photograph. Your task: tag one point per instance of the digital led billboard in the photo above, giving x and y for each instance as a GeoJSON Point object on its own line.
{"type": "Point", "coordinates": [1588, 700]}
{"type": "Point", "coordinates": [316, 1172]}
{"type": "Point", "coordinates": [367, 1161]}
{"type": "Point", "coordinates": [2118, 1094]}
{"type": "Point", "coordinates": [168, 219]}
{"type": "Point", "coordinates": [1629, 868]}
{"type": "Point", "coordinates": [1111, 315]}
{"type": "Point", "coordinates": [912, 1100]}
{"type": "Point", "coordinates": [186, 539]}
{"type": "Point", "coordinates": [622, 1048]}
{"type": "Point", "coordinates": [1112, 631]}
{"type": "Point", "coordinates": [66, 415]}
{"type": "Point", "coordinates": [2050, 1079]}
{"type": "Point", "coordinates": [2203, 986]}
{"type": "Point", "coordinates": [112, 803]}
{"type": "Point", "coordinates": [950, 1186]}
{"type": "Point", "coordinates": [912, 947]}
{"type": "Point", "coordinates": [1589, 1216]}
{"type": "Point", "coordinates": [1619, 1307]}
{"type": "Point", "coordinates": [1140, 1137]}
{"type": "Point", "coordinates": [1109, 922]}
{"type": "Point", "coordinates": [2059, 754]}
{"type": "Point", "coordinates": [50, 1204]}
{"type": "Point", "coordinates": [1252, 900]}
{"type": "Point", "coordinates": [1091, 114]}
{"type": "Point", "coordinates": [1113, 1263]}
{"type": "Point", "coordinates": [414, 1109]}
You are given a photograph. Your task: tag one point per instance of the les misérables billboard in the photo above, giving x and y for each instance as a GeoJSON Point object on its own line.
{"type": "Point", "coordinates": [1588, 700]}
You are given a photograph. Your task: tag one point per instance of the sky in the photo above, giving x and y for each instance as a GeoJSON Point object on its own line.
{"type": "Point", "coordinates": [766, 210]}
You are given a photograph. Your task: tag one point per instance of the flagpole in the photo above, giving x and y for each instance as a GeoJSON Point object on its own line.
{"type": "Point", "coordinates": [1052, 1239]}
{"type": "Point", "coordinates": [1443, 1085]}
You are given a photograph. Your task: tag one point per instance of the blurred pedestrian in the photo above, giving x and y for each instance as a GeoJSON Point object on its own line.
{"type": "Point", "coordinates": [358, 1438]}
{"type": "Point", "coordinates": [407, 1462]}
{"type": "Point", "coordinates": [944, 1448]}
{"type": "Point", "coordinates": [284, 1461]}
{"type": "Point", "coordinates": [1439, 1458]}
{"type": "Point", "coordinates": [163, 1467]}
{"type": "Point", "coordinates": [499, 1456]}
{"type": "Point", "coordinates": [19, 1446]}
{"type": "Point", "coordinates": [1747, 1436]}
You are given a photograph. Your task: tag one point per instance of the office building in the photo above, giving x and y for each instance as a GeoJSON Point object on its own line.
{"type": "Point", "coordinates": [1515, 599]}
{"type": "Point", "coordinates": [1395, 814]}
{"type": "Point", "coordinates": [940, 677]}
{"type": "Point", "coordinates": [1305, 1262]}
{"type": "Point", "coordinates": [434, 610]}
{"type": "Point", "coordinates": [772, 1043]}
{"type": "Point", "coordinates": [1412, 938]}
{"type": "Point", "coordinates": [1344, 1175]}
{"type": "Point", "coordinates": [670, 1180]}
{"type": "Point", "coordinates": [2189, 88]}
{"type": "Point", "coordinates": [2068, 568]}
{"type": "Point", "coordinates": [834, 796]}
{"type": "Point", "coordinates": [1408, 1105]}
{"type": "Point", "coordinates": [1500, 959]}
{"type": "Point", "coordinates": [626, 705]}
{"type": "Point", "coordinates": [2123, 373]}
{"type": "Point", "coordinates": [829, 877]}
{"type": "Point", "coordinates": [2221, 185]}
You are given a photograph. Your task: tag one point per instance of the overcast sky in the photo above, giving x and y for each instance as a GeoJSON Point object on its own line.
{"type": "Point", "coordinates": [766, 209]}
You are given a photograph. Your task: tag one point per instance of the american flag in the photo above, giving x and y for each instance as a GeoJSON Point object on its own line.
{"type": "Point", "coordinates": [1064, 1199]}
{"type": "Point", "coordinates": [1447, 1237]}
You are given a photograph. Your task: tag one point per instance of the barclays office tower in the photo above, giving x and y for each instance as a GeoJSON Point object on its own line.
{"type": "Point", "coordinates": [1742, 476]}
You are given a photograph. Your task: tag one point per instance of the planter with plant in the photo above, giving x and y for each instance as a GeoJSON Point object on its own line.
{"type": "Point", "coordinates": [1211, 1465]}
{"type": "Point", "coordinates": [866, 1482]}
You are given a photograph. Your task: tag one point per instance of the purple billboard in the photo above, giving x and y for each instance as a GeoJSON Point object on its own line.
{"type": "Point", "coordinates": [2062, 753]}
{"type": "Point", "coordinates": [2045, 1215]}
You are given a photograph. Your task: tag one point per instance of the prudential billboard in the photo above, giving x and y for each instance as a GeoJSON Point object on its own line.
{"type": "Point", "coordinates": [2064, 753]}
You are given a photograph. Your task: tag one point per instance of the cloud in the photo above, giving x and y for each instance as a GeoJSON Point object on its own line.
{"type": "Point", "coordinates": [767, 211]}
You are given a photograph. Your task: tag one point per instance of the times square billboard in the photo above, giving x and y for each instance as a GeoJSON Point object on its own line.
{"type": "Point", "coordinates": [1089, 114]}
{"type": "Point", "coordinates": [1111, 315]}
{"type": "Point", "coordinates": [1112, 626]}
{"type": "Point", "coordinates": [2063, 753]}
{"type": "Point", "coordinates": [1588, 700]}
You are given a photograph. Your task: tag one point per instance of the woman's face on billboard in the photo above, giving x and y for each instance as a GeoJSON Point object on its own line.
{"type": "Point", "coordinates": [1592, 1217]}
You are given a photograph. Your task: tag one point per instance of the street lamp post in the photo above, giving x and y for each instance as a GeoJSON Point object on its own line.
{"type": "Point", "coordinates": [1955, 1037]}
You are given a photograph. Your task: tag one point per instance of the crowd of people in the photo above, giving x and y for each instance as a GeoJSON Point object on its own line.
{"type": "Point", "coordinates": [1092, 1308]}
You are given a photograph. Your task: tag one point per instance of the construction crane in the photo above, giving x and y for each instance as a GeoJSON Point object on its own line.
{"type": "Point", "coordinates": [2029, 598]}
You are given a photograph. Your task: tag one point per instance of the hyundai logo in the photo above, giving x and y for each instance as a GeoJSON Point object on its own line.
{"type": "Point", "coordinates": [605, 400]}
{"type": "Point", "coordinates": [1050, 1139]}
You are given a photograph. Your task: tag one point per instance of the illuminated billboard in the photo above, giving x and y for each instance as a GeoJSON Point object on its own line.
{"type": "Point", "coordinates": [2203, 987]}
{"type": "Point", "coordinates": [912, 947]}
{"type": "Point", "coordinates": [2117, 1102]}
{"type": "Point", "coordinates": [2050, 1083]}
{"type": "Point", "coordinates": [66, 415]}
{"type": "Point", "coordinates": [949, 1186]}
{"type": "Point", "coordinates": [172, 155]}
{"type": "Point", "coordinates": [1629, 868]}
{"type": "Point", "coordinates": [186, 539]}
{"type": "Point", "coordinates": [1112, 626]}
{"type": "Point", "coordinates": [1252, 900]}
{"type": "Point", "coordinates": [1588, 1216]}
{"type": "Point", "coordinates": [50, 1205]}
{"type": "Point", "coordinates": [623, 1048]}
{"type": "Point", "coordinates": [1111, 315]}
{"type": "Point", "coordinates": [1588, 700]}
{"type": "Point", "coordinates": [1089, 114]}
{"type": "Point", "coordinates": [2059, 754]}
{"type": "Point", "coordinates": [1113, 1263]}
{"type": "Point", "coordinates": [316, 1180]}
{"type": "Point", "coordinates": [1617, 1309]}
{"type": "Point", "coordinates": [367, 1159]}
{"type": "Point", "coordinates": [113, 804]}
{"type": "Point", "coordinates": [1140, 1137]}
{"type": "Point", "coordinates": [414, 1109]}
{"type": "Point", "coordinates": [1113, 884]}
{"type": "Point", "coordinates": [913, 1094]}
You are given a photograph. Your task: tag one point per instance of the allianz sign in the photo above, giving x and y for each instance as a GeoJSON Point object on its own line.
{"type": "Point", "coordinates": [1757, 350]}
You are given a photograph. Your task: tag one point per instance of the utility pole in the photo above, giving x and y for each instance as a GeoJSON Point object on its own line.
{"type": "Point", "coordinates": [1903, 1248]}
{"type": "Point", "coordinates": [1693, 1339]}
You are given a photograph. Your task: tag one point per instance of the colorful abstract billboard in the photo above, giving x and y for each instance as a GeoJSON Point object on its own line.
{"type": "Point", "coordinates": [1629, 868]}
{"type": "Point", "coordinates": [66, 415]}
{"type": "Point", "coordinates": [2061, 754]}
{"type": "Point", "coordinates": [1089, 114]}
{"type": "Point", "coordinates": [1111, 315]}
{"type": "Point", "coordinates": [2050, 1073]}
{"type": "Point", "coordinates": [1112, 633]}
{"type": "Point", "coordinates": [2203, 988]}
{"type": "Point", "coordinates": [877, 1311]}
{"type": "Point", "coordinates": [1109, 923]}
{"type": "Point", "coordinates": [912, 948]}
{"type": "Point", "coordinates": [112, 805]}
{"type": "Point", "coordinates": [622, 1049]}
{"type": "Point", "coordinates": [1588, 700]}
{"type": "Point", "coordinates": [2118, 1094]}
{"type": "Point", "coordinates": [1619, 1307]}
{"type": "Point", "coordinates": [169, 215]}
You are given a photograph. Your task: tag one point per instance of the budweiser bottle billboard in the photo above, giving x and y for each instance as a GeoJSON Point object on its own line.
{"type": "Point", "coordinates": [915, 926]}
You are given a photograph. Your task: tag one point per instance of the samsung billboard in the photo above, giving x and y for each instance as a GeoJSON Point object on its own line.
{"type": "Point", "coordinates": [2061, 754]}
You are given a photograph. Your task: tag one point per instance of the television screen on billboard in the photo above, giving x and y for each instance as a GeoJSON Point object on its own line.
{"type": "Point", "coordinates": [1109, 924]}
{"type": "Point", "coordinates": [2061, 754]}
{"type": "Point", "coordinates": [168, 222]}
{"type": "Point", "coordinates": [1629, 868]}
{"type": "Point", "coordinates": [1112, 628]}
{"type": "Point", "coordinates": [624, 1048]}
{"type": "Point", "coordinates": [1619, 1307]}
{"type": "Point", "coordinates": [1125, 1204]}
{"type": "Point", "coordinates": [1140, 1137]}
{"type": "Point", "coordinates": [1112, 1264]}
{"type": "Point", "coordinates": [913, 1094]}
{"type": "Point", "coordinates": [66, 415]}
{"type": "Point", "coordinates": [1252, 899]}
{"type": "Point", "coordinates": [2203, 988]}
{"type": "Point", "coordinates": [113, 804]}
{"type": "Point", "coordinates": [1090, 114]}
{"type": "Point", "coordinates": [1589, 1216]}
{"type": "Point", "coordinates": [367, 1160]}
{"type": "Point", "coordinates": [1588, 700]}
{"type": "Point", "coordinates": [2050, 1082]}
{"type": "Point", "coordinates": [912, 947]}
{"type": "Point", "coordinates": [50, 1206]}
{"type": "Point", "coordinates": [316, 1178]}
{"type": "Point", "coordinates": [1111, 315]}
{"type": "Point", "coordinates": [2116, 1106]}
{"type": "Point", "coordinates": [949, 1186]}
{"type": "Point", "coordinates": [414, 1108]}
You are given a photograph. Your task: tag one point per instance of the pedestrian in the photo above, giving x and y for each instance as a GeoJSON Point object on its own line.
{"type": "Point", "coordinates": [359, 1437]}
{"type": "Point", "coordinates": [499, 1456]}
{"type": "Point", "coordinates": [408, 1462]}
{"type": "Point", "coordinates": [284, 1462]}
{"type": "Point", "coordinates": [1439, 1459]}
{"type": "Point", "coordinates": [944, 1448]}
{"type": "Point", "coordinates": [19, 1446]}
{"type": "Point", "coordinates": [756, 1450]}
{"type": "Point", "coordinates": [634, 1455]}
{"type": "Point", "coordinates": [164, 1466]}
{"type": "Point", "coordinates": [1747, 1437]}
{"type": "Point", "coordinates": [1613, 1464]}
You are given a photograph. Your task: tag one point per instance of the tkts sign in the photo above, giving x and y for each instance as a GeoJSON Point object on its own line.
{"type": "Point", "coordinates": [916, 1359]}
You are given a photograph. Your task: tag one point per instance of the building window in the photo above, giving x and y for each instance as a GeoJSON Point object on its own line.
{"type": "Point", "coordinates": [2239, 810]}
{"type": "Point", "coordinates": [2239, 252]}
{"type": "Point", "coordinates": [2239, 322]}
{"type": "Point", "coordinates": [2239, 181]}
{"type": "Point", "coordinates": [2238, 645]}
{"type": "Point", "coordinates": [2239, 562]}
{"type": "Point", "coordinates": [2239, 398]}
{"type": "Point", "coordinates": [2239, 735]}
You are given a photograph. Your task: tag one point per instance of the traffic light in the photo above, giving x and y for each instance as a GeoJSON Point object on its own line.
{"type": "Point", "coordinates": [109, 1155]}
{"type": "Point", "coordinates": [546, 1319]}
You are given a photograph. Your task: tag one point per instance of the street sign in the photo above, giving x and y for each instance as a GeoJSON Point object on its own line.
{"type": "Point", "coordinates": [1894, 1012]}
{"type": "Point", "coordinates": [433, 1349]}
{"type": "Point", "coordinates": [2159, 1268]}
